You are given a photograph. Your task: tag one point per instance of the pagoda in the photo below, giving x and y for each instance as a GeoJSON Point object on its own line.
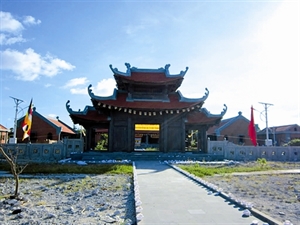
{"type": "Point", "coordinates": [146, 109]}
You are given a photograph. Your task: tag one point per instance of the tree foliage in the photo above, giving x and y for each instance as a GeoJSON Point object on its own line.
{"type": "Point", "coordinates": [102, 144]}
{"type": "Point", "coordinates": [293, 142]}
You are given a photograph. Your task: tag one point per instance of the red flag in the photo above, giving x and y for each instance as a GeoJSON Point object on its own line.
{"type": "Point", "coordinates": [26, 126]}
{"type": "Point", "coordinates": [251, 129]}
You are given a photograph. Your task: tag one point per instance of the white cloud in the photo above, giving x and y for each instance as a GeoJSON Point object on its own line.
{"type": "Point", "coordinates": [29, 20]}
{"type": "Point", "coordinates": [80, 91]}
{"type": "Point", "coordinates": [75, 82]}
{"type": "Point", "coordinates": [9, 24]}
{"type": "Point", "coordinates": [27, 65]}
{"type": "Point", "coordinates": [30, 65]}
{"type": "Point", "coordinates": [105, 87]}
{"type": "Point", "coordinates": [6, 39]}
{"type": "Point", "coordinates": [11, 29]}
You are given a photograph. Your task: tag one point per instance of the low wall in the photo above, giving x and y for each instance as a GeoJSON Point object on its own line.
{"type": "Point", "coordinates": [44, 152]}
{"type": "Point", "coordinates": [231, 151]}
{"type": "Point", "coordinates": [217, 150]}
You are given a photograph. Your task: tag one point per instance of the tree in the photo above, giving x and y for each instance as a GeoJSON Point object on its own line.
{"type": "Point", "coordinates": [16, 169]}
{"type": "Point", "coordinates": [293, 142]}
{"type": "Point", "coordinates": [102, 144]}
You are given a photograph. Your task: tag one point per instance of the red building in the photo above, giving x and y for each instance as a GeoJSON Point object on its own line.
{"type": "Point", "coordinates": [280, 135]}
{"type": "Point", "coordinates": [146, 109]}
{"type": "Point", "coordinates": [45, 130]}
{"type": "Point", "coordinates": [233, 129]}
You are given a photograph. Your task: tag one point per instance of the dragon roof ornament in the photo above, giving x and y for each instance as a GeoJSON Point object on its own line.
{"type": "Point", "coordinates": [208, 114]}
{"type": "Point", "coordinates": [93, 96]}
{"type": "Point", "coordinates": [86, 109]}
{"type": "Point", "coordinates": [130, 69]}
{"type": "Point", "coordinates": [184, 99]}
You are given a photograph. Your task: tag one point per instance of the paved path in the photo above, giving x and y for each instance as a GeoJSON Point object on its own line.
{"type": "Point", "coordinates": [170, 198]}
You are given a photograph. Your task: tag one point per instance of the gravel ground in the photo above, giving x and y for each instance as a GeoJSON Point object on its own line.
{"type": "Point", "coordinates": [69, 199]}
{"type": "Point", "coordinates": [277, 195]}
{"type": "Point", "coordinates": [109, 199]}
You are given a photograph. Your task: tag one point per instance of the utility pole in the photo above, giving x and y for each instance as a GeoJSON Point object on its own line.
{"type": "Point", "coordinates": [267, 141]}
{"type": "Point", "coordinates": [17, 102]}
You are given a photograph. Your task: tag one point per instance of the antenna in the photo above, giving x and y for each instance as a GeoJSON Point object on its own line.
{"type": "Point", "coordinates": [267, 142]}
{"type": "Point", "coordinates": [17, 102]}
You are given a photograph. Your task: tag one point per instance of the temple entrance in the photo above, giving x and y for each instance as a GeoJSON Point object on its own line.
{"type": "Point", "coordinates": [146, 137]}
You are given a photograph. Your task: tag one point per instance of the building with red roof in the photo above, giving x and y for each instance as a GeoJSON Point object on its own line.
{"type": "Point", "coordinates": [146, 109]}
{"type": "Point", "coordinates": [45, 130]}
{"type": "Point", "coordinates": [280, 135]}
{"type": "Point", "coordinates": [233, 129]}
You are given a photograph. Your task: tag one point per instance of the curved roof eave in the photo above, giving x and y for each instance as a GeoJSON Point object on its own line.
{"type": "Point", "coordinates": [93, 96]}
{"type": "Point", "coordinates": [184, 99]}
{"type": "Point", "coordinates": [208, 114]}
{"type": "Point", "coordinates": [164, 70]}
{"type": "Point", "coordinates": [79, 112]}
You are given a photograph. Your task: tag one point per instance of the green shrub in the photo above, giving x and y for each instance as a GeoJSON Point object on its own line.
{"type": "Point", "coordinates": [262, 162]}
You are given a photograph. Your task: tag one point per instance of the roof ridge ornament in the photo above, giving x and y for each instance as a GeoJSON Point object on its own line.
{"type": "Point", "coordinates": [68, 107]}
{"type": "Point", "coordinates": [181, 74]}
{"type": "Point", "coordinates": [208, 114]}
{"type": "Point", "coordinates": [116, 71]}
{"type": "Point", "coordinates": [224, 110]}
{"type": "Point", "coordinates": [164, 70]}
{"type": "Point", "coordinates": [184, 99]}
{"type": "Point", "coordinates": [84, 112]}
{"type": "Point", "coordinates": [93, 96]}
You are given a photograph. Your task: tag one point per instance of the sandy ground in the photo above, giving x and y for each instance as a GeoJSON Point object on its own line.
{"type": "Point", "coordinates": [277, 195]}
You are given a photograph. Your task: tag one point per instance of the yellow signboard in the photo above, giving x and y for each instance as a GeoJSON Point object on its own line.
{"type": "Point", "coordinates": [152, 127]}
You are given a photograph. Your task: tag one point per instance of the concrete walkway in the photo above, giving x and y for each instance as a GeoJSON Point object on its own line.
{"type": "Point", "coordinates": [169, 197]}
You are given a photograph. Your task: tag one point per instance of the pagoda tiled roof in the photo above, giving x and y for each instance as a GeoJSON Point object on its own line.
{"type": "Point", "coordinates": [153, 77]}
{"type": "Point", "coordinates": [150, 77]}
{"type": "Point", "coordinates": [120, 100]}
{"type": "Point", "coordinates": [88, 114]}
{"type": "Point", "coordinates": [203, 116]}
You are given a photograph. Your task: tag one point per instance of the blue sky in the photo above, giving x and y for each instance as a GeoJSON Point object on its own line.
{"type": "Point", "coordinates": [244, 52]}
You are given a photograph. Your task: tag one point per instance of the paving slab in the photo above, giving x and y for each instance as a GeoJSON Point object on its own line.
{"type": "Point", "coordinates": [170, 198]}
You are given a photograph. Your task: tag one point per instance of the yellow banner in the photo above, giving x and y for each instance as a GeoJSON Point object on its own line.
{"type": "Point", "coordinates": [152, 127]}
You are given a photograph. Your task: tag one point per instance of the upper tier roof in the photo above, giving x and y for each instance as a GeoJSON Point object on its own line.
{"type": "Point", "coordinates": [122, 101]}
{"type": "Point", "coordinates": [147, 77]}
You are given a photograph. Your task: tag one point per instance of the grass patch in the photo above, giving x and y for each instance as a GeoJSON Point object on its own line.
{"type": "Point", "coordinates": [202, 171]}
{"type": "Point", "coordinates": [52, 168]}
